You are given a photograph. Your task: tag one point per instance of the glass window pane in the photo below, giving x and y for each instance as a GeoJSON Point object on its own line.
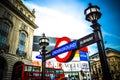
{"type": "Point", "coordinates": [25, 69]}
{"type": "Point", "coordinates": [21, 9]}
{"type": "Point", "coordinates": [30, 68]}
{"type": "Point", "coordinates": [28, 16]}
{"type": "Point", "coordinates": [93, 9]}
{"type": "Point", "coordinates": [5, 27]}
{"type": "Point", "coordinates": [24, 27]}
{"type": "Point", "coordinates": [36, 69]}
{"type": "Point", "coordinates": [88, 11]}
{"type": "Point", "coordinates": [3, 39]}
{"type": "Point", "coordinates": [22, 37]}
{"type": "Point", "coordinates": [21, 47]}
{"type": "Point", "coordinates": [22, 42]}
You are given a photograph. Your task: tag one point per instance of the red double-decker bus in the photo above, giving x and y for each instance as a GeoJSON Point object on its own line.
{"type": "Point", "coordinates": [59, 73]}
{"type": "Point", "coordinates": [31, 72]}
{"type": "Point", "coordinates": [28, 72]}
{"type": "Point", "coordinates": [56, 73]}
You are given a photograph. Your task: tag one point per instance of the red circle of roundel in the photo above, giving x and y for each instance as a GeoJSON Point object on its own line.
{"type": "Point", "coordinates": [64, 59]}
{"type": "Point", "coordinates": [84, 49]}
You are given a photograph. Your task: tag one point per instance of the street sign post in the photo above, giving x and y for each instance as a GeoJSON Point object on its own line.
{"type": "Point", "coordinates": [76, 44]}
{"type": "Point", "coordinates": [87, 40]}
{"type": "Point", "coordinates": [67, 47]}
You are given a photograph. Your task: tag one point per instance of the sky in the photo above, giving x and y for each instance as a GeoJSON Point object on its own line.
{"type": "Point", "coordinates": [59, 18]}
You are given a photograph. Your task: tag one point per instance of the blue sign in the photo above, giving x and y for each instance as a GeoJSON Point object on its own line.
{"type": "Point", "coordinates": [83, 56]}
{"type": "Point", "coordinates": [67, 47]}
{"type": "Point", "coordinates": [39, 57]}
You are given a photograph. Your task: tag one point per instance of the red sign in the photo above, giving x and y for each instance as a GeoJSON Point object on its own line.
{"type": "Point", "coordinates": [68, 56]}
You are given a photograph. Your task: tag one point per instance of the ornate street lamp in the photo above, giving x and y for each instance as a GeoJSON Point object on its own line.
{"type": "Point", "coordinates": [43, 42]}
{"type": "Point", "coordinates": [92, 14]}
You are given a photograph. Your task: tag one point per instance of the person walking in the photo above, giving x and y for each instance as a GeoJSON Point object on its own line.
{"type": "Point", "coordinates": [52, 76]}
{"type": "Point", "coordinates": [69, 77]}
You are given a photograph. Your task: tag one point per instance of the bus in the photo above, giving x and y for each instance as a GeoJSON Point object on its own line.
{"type": "Point", "coordinates": [59, 73]}
{"type": "Point", "coordinates": [28, 72]}
{"type": "Point", "coordinates": [31, 72]}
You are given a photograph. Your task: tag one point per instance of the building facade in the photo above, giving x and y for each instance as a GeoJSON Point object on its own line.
{"type": "Point", "coordinates": [16, 36]}
{"type": "Point", "coordinates": [113, 58]}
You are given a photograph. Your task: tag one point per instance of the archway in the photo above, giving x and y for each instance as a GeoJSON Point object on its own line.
{"type": "Point", "coordinates": [3, 67]}
{"type": "Point", "coordinates": [14, 69]}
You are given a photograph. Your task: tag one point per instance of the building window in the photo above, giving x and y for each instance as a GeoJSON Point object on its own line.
{"type": "Point", "coordinates": [21, 10]}
{"type": "Point", "coordinates": [11, 1]}
{"type": "Point", "coordinates": [8, 15]}
{"type": "Point", "coordinates": [22, 44]}
{"type": "Point", "coordinates": [24, 27]}
{"type": "Point", "coordinates": [3, 34]}
{"type": "Point", "coordinates": [29, 17]}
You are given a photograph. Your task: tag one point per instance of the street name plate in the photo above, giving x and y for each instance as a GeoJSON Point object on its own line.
{"type": "Point", "coordinates": [48, 56]}
{"type": "Point", "coordinates": [87, 40]}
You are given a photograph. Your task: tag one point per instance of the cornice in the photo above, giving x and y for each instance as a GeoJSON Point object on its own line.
{"type": "Point", "coordinates": [107, 50]}
{"type": "Point", "coordinates": [11, 7]}
{"type": "Point", "coordinates": [20, 2]}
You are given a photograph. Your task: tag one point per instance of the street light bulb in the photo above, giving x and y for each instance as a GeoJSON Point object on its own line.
{"type": "Point", "coordinates": [93, 9]}
{"type": "Point", "coordinates": [87, 11]}
{"type": "Point", "coordinates": [43, 40]}
{"type": "Point", "coordinates": [46, 40]}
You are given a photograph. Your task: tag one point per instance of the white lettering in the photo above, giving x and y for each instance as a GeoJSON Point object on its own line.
{"type": "Point", "coordinates": [67, 47]}
{"type": "Point", "coordinates": [86, 40]}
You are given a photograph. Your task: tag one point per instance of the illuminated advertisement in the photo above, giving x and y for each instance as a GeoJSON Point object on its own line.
{"type": "Point", "coordinates": [36, 46]}
{"type": "Point", "coordinates": [71, 66]}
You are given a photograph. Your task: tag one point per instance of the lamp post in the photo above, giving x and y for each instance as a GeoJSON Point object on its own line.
{"type": "Point", "coordinates": [43, 42]}
{"type": "Point", "coordinates": [92, 14]}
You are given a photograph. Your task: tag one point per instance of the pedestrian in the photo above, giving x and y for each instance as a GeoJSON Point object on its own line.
{"type": "Point", "coordinates": [52, 76]}
{"type": "Point", "coordinates": [69, 77]}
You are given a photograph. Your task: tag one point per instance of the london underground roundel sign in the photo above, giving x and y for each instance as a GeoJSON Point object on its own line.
{"type": "Point", "coordinates": [68, 55]}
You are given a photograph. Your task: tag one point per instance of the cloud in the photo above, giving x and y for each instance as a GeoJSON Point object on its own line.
{"type": "Point", "coordinates": [114, 46]}
{"type": "Point", "coordinates": [111, 35]}
{"type": "Point", "coordinates": [92, 49]}
{"type": "Point", "coordinates": [56, 24]}
{"type": "Point", "coordinates": [112, 40]}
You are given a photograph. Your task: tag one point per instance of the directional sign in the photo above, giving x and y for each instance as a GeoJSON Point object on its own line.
{"type": "Point", "coordinates": [48, 56]}
{"type": "Point", "coordinates": [39, 57]}
{"type": "Point", "coordinates": [87, 40]}
{"type": "Point", "coordinates": [67, 47]}
{"type": "Point", "coordinates": [82, 42]}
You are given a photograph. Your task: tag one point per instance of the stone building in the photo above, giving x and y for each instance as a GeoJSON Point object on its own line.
{"type": "Point", "coordinates": [16, 36]}
{"type": "Point", "coordinates": [113, 58]}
